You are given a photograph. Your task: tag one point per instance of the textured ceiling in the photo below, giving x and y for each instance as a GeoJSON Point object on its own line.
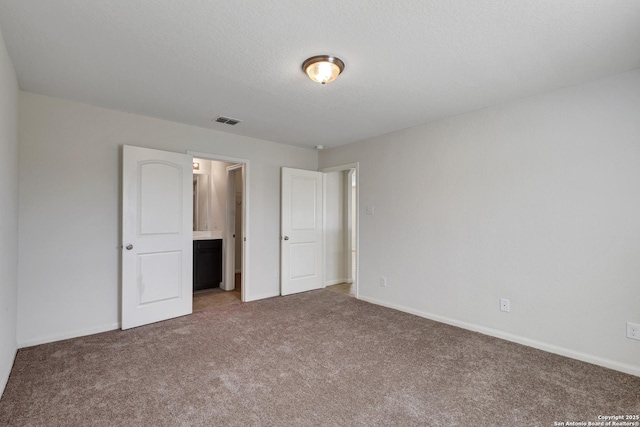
{"type": "Point", "coordinates": [407, 61]}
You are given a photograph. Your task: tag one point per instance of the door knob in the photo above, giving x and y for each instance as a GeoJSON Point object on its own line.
{"type": "Point", "coordinates": [129, 247]}
{"type": "Point", "coordinates": [286, 237]}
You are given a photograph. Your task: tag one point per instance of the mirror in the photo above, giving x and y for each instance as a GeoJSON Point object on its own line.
{"type": "Point", "coordinates": [201, 202]}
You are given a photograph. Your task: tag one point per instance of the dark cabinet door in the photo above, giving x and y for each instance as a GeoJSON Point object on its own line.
{"type": "Point", "coordinates": [207, 264]}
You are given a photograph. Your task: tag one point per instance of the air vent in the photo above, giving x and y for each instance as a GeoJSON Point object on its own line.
{"type": "Point", "coordinates": [228, 120]}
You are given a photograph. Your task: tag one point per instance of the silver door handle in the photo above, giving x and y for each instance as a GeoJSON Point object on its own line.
{"type": "Point", "coordinates": [129, 247]}
{"type": "Point", "coordinates": [286, 237]}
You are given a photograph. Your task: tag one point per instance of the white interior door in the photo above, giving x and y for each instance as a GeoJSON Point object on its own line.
{"type": "Point", "coordinates": [301, 241]}
{"type": "Point", "coordinates": [230, 230]}
{"type": "Point", "coordinates": [157, 236]}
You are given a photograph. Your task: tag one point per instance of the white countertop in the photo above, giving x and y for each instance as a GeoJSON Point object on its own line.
{"type": "Point", "coordinates": [207, 235]}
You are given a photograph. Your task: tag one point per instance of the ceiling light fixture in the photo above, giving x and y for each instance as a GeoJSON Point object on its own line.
{"type": "Point", "coordinates": [323, 68]}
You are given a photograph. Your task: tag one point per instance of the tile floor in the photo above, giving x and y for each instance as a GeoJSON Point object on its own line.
{"type": "Point", "coordinates": [216, 297]}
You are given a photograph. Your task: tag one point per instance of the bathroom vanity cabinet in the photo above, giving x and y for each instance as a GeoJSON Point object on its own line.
{"type": "Point", "coordinates": [207, 264]}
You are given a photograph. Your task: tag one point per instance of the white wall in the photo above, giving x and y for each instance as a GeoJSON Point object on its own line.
{"type": "Point", "coordinates": [335, 229]}
{"type": "Point", "coordinates": [219, 195]}
{"type": "Point", "coordinates": [8, 213]}
{"type": "Point", "coordinates": [536, 200]}
{"type": "Point", "coordinates": [70, 226]}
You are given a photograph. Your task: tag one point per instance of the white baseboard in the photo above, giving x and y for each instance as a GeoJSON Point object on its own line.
{"type": "Point", "coordinates": [75, 334]}
{"type": "Point", "coordinates": [562, 351]}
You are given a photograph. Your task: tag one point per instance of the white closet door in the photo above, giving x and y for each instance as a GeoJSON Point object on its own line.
{"type": "Point", "coordinates": [301, 243]}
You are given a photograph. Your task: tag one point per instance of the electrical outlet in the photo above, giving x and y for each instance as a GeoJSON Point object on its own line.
{"type": "Point", "coordinates": [370, 210]}
{"type": "Point", "coordinates": [383, 281]}
{"type": "Point", "coordinates": [277, 274]}
{"type": "Point", "coordinates": [505, 305]}
{"type": "Point", "coordinates": [633, 331]}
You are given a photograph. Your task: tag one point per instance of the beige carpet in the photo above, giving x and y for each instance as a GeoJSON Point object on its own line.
{"type": "Point", "coordinates": [211, 299]}
{"type": "Point", "coordinates": [318, 358]}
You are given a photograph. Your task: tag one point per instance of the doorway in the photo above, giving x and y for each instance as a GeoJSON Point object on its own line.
{"type": "Point", "coordinates": [341, 229]}
{"type": "Point", "coordinates": [228, 222]}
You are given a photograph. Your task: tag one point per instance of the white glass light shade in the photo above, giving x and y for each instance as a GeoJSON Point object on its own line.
{"type": "Point", "coordinates": [323, 69]}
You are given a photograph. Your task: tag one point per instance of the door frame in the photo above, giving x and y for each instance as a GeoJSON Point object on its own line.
{"type": "Point", "coordinates": [340, 168]}
{"type": "Point", "coordinates": [246, 283]}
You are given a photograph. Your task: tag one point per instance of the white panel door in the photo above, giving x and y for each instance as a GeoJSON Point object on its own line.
{"type": "Point", "coordinates": [230, 232]}
{"type": "Point", "coordinates": [301, 242]}
{"type": "Point", "coordinates": [157, 236]}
